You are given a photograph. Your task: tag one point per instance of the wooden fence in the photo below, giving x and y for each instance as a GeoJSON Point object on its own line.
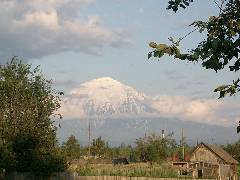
{"type": "Point", "coordinates": [126, 178]}
{"type": "Point", "coordinates": [67, 176]}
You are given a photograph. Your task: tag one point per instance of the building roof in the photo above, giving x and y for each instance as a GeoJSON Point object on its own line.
{"type": "Point", "coordinates": [220, 152]}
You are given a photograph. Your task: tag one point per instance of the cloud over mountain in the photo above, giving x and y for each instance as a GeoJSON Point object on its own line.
{"type": "Point", "coordinates": [33, 29]}
{"type": "Point", "coordinates": [210, 111]}
{"type": "Point", "coordinates": [106, 97]}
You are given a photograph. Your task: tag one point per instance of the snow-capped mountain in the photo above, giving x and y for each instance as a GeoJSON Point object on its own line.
{"type": "Point", "coordinates": [120, 113]}
{"type": "Point", "coordinates": [104, 97]}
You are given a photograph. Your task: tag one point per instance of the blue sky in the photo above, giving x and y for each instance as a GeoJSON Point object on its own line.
{"type": "Point", "coordinates": [144, 21]}
{"type": "Point", "coordinates": [79, 40]}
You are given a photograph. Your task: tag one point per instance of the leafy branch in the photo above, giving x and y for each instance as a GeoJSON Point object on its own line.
{"type": "Point", "coordinates": [175, 4]}
{"type": "Point", "coordinates": [221, 46]}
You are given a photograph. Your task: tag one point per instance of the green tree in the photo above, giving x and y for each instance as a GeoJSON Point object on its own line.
{"type": "Point", "coordinates": [27, 135]}
{"type": "Point", "coordinates": [154, 148]}
{"type": "Point", "coordinates": [99, 147]}
{"type": "Point", "coordinates": [124, 151]}
{"type": "Point", "coordinates": [219, 49]}
{"type": "Point", "coordinates": [71, 148]}
{"type": "Point", "coordinates": [234, 150]}
{"type": "Point", "coordinates": [183, 147]}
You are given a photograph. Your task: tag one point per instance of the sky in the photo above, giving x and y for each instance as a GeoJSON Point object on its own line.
{"type": "Point", "coordinates": [75, 41]}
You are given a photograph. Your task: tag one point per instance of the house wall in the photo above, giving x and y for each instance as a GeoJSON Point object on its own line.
{"type": "Point", "coordinates": [210, 172]}
{"type": "Point", "coordinates": [224, 170]}
{"type": "Point", "coordinates": [202, 154]}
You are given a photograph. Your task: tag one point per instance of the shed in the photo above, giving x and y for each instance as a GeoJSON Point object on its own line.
{"type": "Point", "coordinates": [212, 161]}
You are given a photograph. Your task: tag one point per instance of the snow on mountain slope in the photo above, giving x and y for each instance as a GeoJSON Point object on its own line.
{"type": "Point", "coordinates": [108, 98]}
{"type": "Point", "coordinates": [104, 97]}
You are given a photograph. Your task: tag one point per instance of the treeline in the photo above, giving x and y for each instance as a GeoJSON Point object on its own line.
{"type": "Point", "coordinates": [152, 148]}
{"type": "Point", "coordinates": [233, 149]}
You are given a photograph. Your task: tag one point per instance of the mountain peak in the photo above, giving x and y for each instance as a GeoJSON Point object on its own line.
{"type": "Point", "coordinates": [106, 96]}
{"type": "Point", "coordinates": [106, 78]}
{"type": "Point", "coordinates": [103, 81]}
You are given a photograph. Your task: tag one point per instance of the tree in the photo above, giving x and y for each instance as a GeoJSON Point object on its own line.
{"type": "Point", "coordinates": [99, 147]}
{"type": "Point", "coordinates": [122, 151]}
{"type": "Point", "coordinates": [183, 149]}
{"type": "Point", "coordinates": [71, 148]}
{"type": "Point", "coordinates": [221, 46]}
{"type": "Point", "coordinates": [27, 135]}
{"type": "Point", "coordinates": [234, 150]}
{"type": "Point", "coordinates": [154, 148]}
{"type": "Point", "coordinates": [125, 151]}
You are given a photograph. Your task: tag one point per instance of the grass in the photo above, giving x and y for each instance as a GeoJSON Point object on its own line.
{"type": "Point", "coordinates": [132, 170]}
{"type": "Point", "coordinates": [238, 171]}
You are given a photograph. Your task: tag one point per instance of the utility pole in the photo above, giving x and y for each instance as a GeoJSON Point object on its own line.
{"type": "Point", "coordinates": [89, 138]}
{"type": "Point", "coordinates": [183, 150]}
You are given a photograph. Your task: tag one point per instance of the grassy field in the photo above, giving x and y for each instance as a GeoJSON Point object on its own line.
{"type": "Point", "coordinates": [131, 170]}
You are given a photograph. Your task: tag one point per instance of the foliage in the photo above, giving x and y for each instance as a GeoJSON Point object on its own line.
{"type": "Point", "coordinates": [175, 4]}
{"type": "Point", "coordinates": [122, 151]}
{"type": "Point", "coordinates": [126, 151]}
{"type": "Point", "coordinates": [99, 147]}
{"type": "Point", "coordinates": [71, 149]}
{"type": "Point", "coordinates": [7, 160]}
{"type": "Point", "coordinates": [219, 49]}
{"type": "Point", "coordinates": [234, 150]}
{"type": "Point", "coordinates": [154, 148]}
{"type": "Point", "coordinates": [27, 135]}
{"type": "Point", "coordinates": [179, 149]}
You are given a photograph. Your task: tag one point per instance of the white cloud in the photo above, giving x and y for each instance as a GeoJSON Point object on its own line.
{"type": "Point", "coordinates": [210, 111]}
{"type": "Point", "coordinates": [41, 19]}
{"type": "Point", "coordinates": [33, 29]}
{"type": "Point", "coordinates": [72, 109]}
